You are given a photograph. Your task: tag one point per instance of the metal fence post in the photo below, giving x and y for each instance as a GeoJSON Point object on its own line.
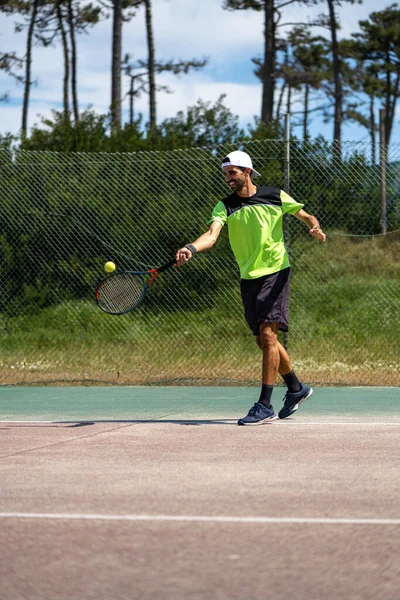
{"type": "Point", "coordinates": [286, 160]}
{"type": "Point", "coordinates": [383, 161]}
{"type": "Point", "coordinates": [286, 187]}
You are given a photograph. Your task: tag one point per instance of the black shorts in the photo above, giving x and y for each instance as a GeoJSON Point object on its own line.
{"type": "Point", "coordinates": [266, 300]}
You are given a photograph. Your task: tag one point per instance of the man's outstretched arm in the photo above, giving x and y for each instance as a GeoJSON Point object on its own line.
{"type": "Point", "coordinates": [204, 242]}
{"type": "Point", "coordinates": [312, 224]}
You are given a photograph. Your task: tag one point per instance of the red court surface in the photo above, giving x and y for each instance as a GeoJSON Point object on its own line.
{"type": "Point", "coordinates": [156, 493]}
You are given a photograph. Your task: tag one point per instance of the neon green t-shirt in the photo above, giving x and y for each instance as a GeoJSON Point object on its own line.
{"type": "Point", "coordinates": [255, 227]}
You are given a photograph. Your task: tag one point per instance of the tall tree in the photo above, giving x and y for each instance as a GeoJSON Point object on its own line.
{"type": "Point", "coordinates": [337, 76]}
{"type": "Point", "coordinates": [62, 20]}
{"type": "Point", "coordinates": [118, 16]}
{"type": "Point", "coordinates": [267, 73]}
{"type": "Point", "coordinates": [116, 65]}
{"type": "Point", "coordinates": [338, 110]}
{"type": "Point", "coordinates": [312, 62]}
{"type": "Point", "coordinates": [271, 10]}
{"type": "Point", "coordinates": [155, 67]}
{"type": "Point", "coordinates": [363, 79]}
{"type": "Point", "coordinates": [28, 66]}
{"type": "Point", "coordinates": [306, 66]}
{"type": "Point", "coordinates": [151, 64]}
{"type": "Point", "coordinates": [78, 17]}
{"type": "Point", "coordinates": [66, 54]}
{"type": "Point", "coordinates": [72, 37]}
{"type": "Point", "coordinates": [137, 84]}
{"type": "Point", "coordinates": [287, 71]}
{"type": "Point", "coordinates": [378, 46]}
{"type": "Point", "coordinates": [139, 77]}
{"type": "Point", "coordinates": [267, 104]}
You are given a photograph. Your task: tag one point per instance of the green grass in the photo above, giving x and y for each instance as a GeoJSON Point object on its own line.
{"type": "Point", "coordinates": [345, 308]}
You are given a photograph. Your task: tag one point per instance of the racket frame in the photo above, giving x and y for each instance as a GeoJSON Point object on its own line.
{"type": "Point", "coordinates": [154, 273]}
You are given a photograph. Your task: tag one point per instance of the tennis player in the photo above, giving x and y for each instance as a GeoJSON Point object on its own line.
{"type": "Point", "coordinates": [254, 216]}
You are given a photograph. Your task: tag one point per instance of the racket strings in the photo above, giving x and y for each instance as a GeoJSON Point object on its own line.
{"type": "Point", "coordinates": [121, 293]}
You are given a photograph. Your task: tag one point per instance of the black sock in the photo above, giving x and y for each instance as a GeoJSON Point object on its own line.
{"type": "Point", "coordinates": [293, 384]}
{"type": "Point", "coordinates": [266, 393]}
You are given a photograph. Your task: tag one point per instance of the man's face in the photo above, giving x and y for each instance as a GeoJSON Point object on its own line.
{"type": "Point", "coordinates": [235, 177]}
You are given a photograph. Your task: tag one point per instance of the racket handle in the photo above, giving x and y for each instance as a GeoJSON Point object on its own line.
{"type": "Point", "coordinates": [168, 265]}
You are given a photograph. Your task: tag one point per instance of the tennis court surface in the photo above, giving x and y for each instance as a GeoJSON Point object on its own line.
{"type": "Point", "coordinates": [155, 493]}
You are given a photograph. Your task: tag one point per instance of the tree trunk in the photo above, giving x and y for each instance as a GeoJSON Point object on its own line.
{"type": "Point", "coordinates": [151, 61]}
{"type": "Point", "coordinates": [73, 62]}
{"type": "Point", "coordinates": [27, 87]}
{"type": "Point", "coordinates": [269, 64]}
{"type": "Point", "coordinates": [116, 66]}
{"type": "Point", "coordinates": [338, 93]}
{"type": "Point", "coordinates": [66, 61]}
{"type": "Point", "coordinates": [278, 109]}
{"type": "Point", "coordinates": [131, 94]}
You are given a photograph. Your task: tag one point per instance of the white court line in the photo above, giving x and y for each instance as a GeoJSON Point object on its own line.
{"type": "Point", "coordinates": [228, 422]}
{"type": "Point", "coordinates": [56, 422]}
{"type": "Point", "coordinates": [199, 519]}
{"type": "Point", "coordinates": [343, 423]}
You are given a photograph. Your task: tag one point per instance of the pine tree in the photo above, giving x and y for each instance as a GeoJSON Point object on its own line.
{"type": "Point", "coordinates": [139, 77]}
{"type": "Point", "coordinates": [307, 67]}
{"type": "Point", "coordinates": [337, 77]}
{"type": "Point", "coordinates": [154, 67]}
{"type": "Point", "coordinates": [268, 64]}
{"type": "Point", "coordinates": [378, 48]}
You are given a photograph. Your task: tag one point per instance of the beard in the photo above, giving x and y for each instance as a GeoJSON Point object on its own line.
{"type": "Point", "coordinates": [237, 186]}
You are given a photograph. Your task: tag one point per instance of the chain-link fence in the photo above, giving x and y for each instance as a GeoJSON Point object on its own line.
{"type": "Point", "coordinates": [64, 215]}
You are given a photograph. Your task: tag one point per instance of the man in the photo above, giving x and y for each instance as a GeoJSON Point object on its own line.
{"type": "Point", "coordinates": [255, 224]}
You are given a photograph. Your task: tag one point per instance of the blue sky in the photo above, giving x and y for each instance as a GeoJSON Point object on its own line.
{"type": "Point", "coordinates": [182, 29]}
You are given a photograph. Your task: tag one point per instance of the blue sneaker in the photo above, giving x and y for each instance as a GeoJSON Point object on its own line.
{"type": "Point", "coordinates": [292, 400]}
{"type": "Point", "coordinates": [258, 415]}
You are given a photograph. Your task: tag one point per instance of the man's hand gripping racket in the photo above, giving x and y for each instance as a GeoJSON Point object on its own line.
{"type": "Point", "coordinates": [122, 292]}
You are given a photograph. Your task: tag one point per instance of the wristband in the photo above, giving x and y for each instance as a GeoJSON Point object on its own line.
{"type": "Point", "coordinates": [191, 248]}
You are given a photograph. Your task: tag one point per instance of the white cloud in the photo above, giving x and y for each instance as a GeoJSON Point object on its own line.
{"type": "Point", "coordinates": [11, 116]}
{"type": "Point", "coordinates": [348, 15]}
{"type": "Point", "coordinates": [10, 119]}
{"type": "Point", "coordinates": [243, 100]}
{"type": "Point", "coordinates": [182, 29]}
{"type": "Point", "coordinates": [204, 28]}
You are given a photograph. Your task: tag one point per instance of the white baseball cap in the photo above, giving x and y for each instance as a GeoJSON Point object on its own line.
{"type": "Point", "coordinates": [239, 159]}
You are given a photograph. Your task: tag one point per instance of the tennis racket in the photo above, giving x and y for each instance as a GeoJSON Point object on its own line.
{"type": "Point", "coordinates": [122, 292]}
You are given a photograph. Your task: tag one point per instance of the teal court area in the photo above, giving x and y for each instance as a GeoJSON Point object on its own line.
{"type": "Point", "coordinates": [150, 493]}
{"type": "Point", "coordinates": [346, 405]}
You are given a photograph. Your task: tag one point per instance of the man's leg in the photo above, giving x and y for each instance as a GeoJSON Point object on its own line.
{"type": "Point", "coordinates": [285, 364]}
{"type": "Point", "coordinates": [262, 411]}
{"type": "Point", "coordinates": [297, 391]}
{"type": "Point", "coordinates": [286, 370]}
{"type": "Point", "coordinates": [271, 353]}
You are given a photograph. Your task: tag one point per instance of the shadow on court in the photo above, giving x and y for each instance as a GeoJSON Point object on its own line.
{"type": "Point", "coordinates": [128, 421]}
{"type": "Point", "coordinates": [105, 495]}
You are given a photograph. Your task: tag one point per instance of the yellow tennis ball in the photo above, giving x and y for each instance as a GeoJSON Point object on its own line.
{"type": "Point", "coordinates": [109, 267]}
